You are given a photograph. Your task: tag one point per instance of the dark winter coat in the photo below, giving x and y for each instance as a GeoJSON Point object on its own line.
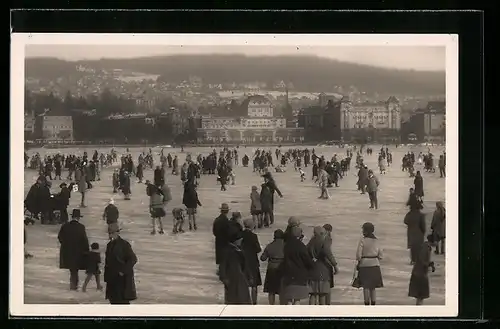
{"type": "Point", "coordinates": [220, 230]}
{"type": "Point", "coordinates": [419, 186]}
{"type": "Point", "coordinates": [74, 245]}
{"type": "Point", "coordinates": [190, 197]}
{"type": "Point", "coordinates": [120, 258]}
{"type": "Point", "coordinates": [415, 222]}
{"type": "Point", "coordinates": [320, 249]}
{"type": "Point", "coordinates": [232, 274]}
{"type": "Point", "coordinates": [438, 224]}
{"type": "Point", "coordinates": [297, 263]}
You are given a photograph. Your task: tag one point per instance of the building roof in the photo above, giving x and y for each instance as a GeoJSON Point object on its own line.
{"type": "Point", "coordinates": [393, 99]}
{"type": "Point", "coordinates": [255, 98]}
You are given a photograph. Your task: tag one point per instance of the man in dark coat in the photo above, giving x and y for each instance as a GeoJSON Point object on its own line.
{"type": "Point", "coordinates": [271, 184]}
{"type": "Point", "coordinates": [74, 247]}
{"type": "Point", "coordinates": [220, 231]}
{"type": "Point", "coordinates": [119, 268]}
{"type": "Point", "coordinates": [63, 201]}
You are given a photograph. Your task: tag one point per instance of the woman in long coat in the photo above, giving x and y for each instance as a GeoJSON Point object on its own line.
{"type": "Point", "coordinates": [419, 185]}
{"type": "Point", "coordinates": [419, 280]}
{"type": "Point", "coordinates": [232, 270]}
{"type": "Point", "coordinates": [297, 264]}
{"type": "Point", "coordinates": [324, 262]}
{"type": "Point", "coordinates": [273, 254]}
{"type": "Point", "coordinates": [119, 268]}
{"type": "Point", "coordinates": [251, 248]}
{"type": "Point", "coordinates": [74, 247]}
{"type": "Point", "coordinates": [438, 227]}
{"type": "Point", "coordinates": [126, 185]}
{"type": "Point", "coordinates": [415, 223]}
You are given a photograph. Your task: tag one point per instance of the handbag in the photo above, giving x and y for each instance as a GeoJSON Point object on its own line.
{"type": "Point", "coordinates": [355, 278]}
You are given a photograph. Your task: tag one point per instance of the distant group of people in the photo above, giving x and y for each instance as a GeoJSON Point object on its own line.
{"type": "Point", "coordinates": [295, 271]}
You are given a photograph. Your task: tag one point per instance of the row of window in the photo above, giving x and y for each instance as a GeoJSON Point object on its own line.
{"type": "Point", "coordinates": [62, 127]}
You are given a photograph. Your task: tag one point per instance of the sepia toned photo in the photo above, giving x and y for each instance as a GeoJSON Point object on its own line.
{"type": "Point", "coordinates": [226, 175]}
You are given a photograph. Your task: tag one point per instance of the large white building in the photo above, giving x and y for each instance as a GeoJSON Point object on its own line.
{"type": "Point", "coordinates": [260, 107]}
{"type": "Point", "coordinates": [258, 125]}
{"type": "Point", "coordinates": [56, 127]}
{"type": "Point", "coordinates": [370, 118]}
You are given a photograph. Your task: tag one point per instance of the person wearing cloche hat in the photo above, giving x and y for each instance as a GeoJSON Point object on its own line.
{"type": "Point", "coordinates": [368, 255]}
{"type": "Point", "coordinates": [251, 248]}
{"type": "Point", "coordinates": [119, 268]}
{"type": "Point", "coordinates": [297, 265]}
{"type": "Point", "coordinates": [273, 254]}
{"type": "Point", "coordinates": [74, 245]}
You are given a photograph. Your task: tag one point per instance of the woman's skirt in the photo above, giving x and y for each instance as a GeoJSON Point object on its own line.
{"type": "Point", "coordinates": [319, 287]}
{"type": "Point", "coordinates": [370, 277]}
{"type": "Point", "coordinates": [253, 277]}
{"type": "Point", "coordinates": [272, 282]}
{"type": "Point", "coordinates": [294, 292]}
{"type": "Point", "coordinates": [419, 287]}
{"type": "Point", "coordinates": [157, 212]}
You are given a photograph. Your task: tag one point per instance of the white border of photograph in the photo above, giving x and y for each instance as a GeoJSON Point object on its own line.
{"type": "Point", "coordinates": [17, 307]}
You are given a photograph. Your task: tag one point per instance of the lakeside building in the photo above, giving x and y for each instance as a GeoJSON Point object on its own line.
{"type": "Point", "coordinates": [258, 125]}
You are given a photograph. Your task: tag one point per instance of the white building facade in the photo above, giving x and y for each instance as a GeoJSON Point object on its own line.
{"type": "Point", "coordinates": [259, 125]}
{"type": "Point", "coordinates": [55, 127]}
{"type": "Point", "coordinates": [383, 118]}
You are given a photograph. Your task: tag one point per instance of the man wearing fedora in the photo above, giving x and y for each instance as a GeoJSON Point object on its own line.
{"type": "Point", "coordinates": [74, 246]}
{"type": "Point", "coordinates": [220, 231]}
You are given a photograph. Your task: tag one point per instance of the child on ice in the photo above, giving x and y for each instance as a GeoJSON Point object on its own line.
{"type": "Point", "coordinates": [302, 175]}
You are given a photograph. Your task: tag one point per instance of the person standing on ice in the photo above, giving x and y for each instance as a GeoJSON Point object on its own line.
{"type": "Point", "coordinates": [372, 189]}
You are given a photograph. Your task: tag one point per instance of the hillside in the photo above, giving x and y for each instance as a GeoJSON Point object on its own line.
{"type": "Point", "coordinates": [305, 72]}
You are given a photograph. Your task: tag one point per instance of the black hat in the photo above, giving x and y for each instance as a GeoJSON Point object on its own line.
{"type": "Point", "coordinates": [76, 213]}
{"type": "Point", "coordinates": [63, 184]}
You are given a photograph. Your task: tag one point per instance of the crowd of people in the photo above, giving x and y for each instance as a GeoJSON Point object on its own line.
{"type": "Point", "coordinates": [296, 272]}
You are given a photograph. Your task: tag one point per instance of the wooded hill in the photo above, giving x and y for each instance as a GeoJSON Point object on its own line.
{"type": "Point", "coordinates": [307, 73]}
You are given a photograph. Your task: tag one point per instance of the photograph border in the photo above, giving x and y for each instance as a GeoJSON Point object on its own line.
{"type": "Point", "coordinates": [16, 292]}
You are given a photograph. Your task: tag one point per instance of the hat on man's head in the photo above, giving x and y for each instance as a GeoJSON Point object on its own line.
{"type": "Point", "coordinates": [63, 184]}
{"type": "Point", "coordinates": [111, 201]}
{"type": "Point", "coordinates": [113, 228]}
{"type": "Point", "coordinates": [76, 214]}
{"type": "Point", "coordinates": [224, 207]}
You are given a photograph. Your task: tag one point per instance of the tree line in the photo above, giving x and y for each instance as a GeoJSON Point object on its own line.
{"type": "Point", "coordinates": [104, 104]}
{"type": "Point", "coordinates": [313, 74]}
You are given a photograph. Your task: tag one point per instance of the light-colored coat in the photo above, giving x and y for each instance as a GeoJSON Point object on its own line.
{"type": "Point", "coordinates": [368, 253]}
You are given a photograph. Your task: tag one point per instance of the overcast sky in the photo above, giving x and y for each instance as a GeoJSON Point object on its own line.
{"type": "Point", "coordinates": [400, 57]}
